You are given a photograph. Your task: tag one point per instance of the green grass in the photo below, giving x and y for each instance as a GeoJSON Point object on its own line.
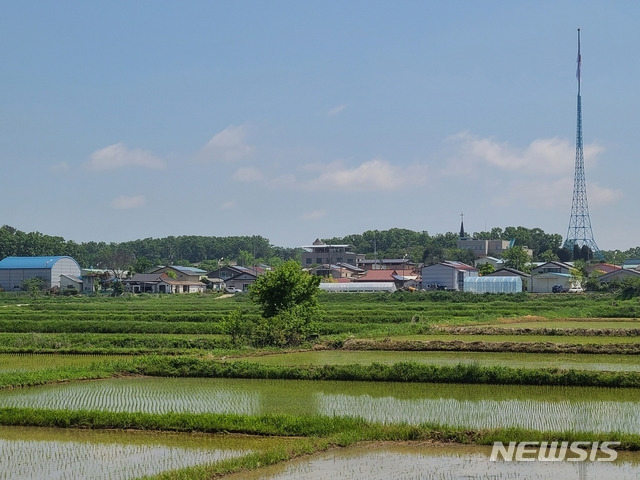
{"type": "Point", "coordinates": [519, 360]}
{"type": "Point", "coordinates": [33, 362]}
{"type": "Point", "coordinates": [566, 339]}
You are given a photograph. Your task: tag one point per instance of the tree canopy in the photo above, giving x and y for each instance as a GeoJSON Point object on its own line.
{"type": "Point", "coordinates": [285, 288]}
{"type": "Point", "coordinates": [419, 246]}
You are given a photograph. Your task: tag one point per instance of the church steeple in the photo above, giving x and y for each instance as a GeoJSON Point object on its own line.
{"type": "Point", "coordinates": [462, 234]}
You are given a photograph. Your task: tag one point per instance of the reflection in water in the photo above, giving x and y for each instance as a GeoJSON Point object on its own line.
{"type": "Point", "coordinates": [31, 459]}
{"type": "Point", "coordinates": [436, 463]}
{"type": "Point", "coordinates": [530, 414]}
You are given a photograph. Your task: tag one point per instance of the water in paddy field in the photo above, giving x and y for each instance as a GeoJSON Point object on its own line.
{"type": "Point", "coordinates": [429, 462]}
{"type": "Point", "coordinates": [575, 409]}
{"type": "Point", "coordinates": [50, 454]}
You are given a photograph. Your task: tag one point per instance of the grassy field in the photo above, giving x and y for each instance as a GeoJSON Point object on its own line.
{"type": "Point", "coordinates": [517, 360]}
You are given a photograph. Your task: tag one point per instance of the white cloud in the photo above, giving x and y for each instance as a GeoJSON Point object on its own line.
{"type": "Point", "coordinates": [552, 194]}
{"type": "Point", "coordinates": [542, 156]}
{"type": "Point", "coordinates": [284, 181]}
{"type": "Point", "coordinates": [248, 174]}
{"type": "Point", "coordinates": [228, 205]}
{"type": "Point", "coordinates": [336, 110]}
{"type": "Point", "coordinates": [60, 167]}
{"type": "Point", "coordinates": [372, 175]}
{"type": "Point", "coordinates": [599, 195]}
{"type": "Point", "coordinates": [227, 146]}
{"type": "Point", "coordinates": [118, 155]}
{"type": "Point", "coordinates": [124, 202]}
{"type": "Point", "coordinates": [314, 215]}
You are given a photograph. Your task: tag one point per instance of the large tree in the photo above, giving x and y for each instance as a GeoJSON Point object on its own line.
{"type": "Point", "coordinates": [285, 288]}
{"type": "Point", "coordinates": [518, 258]}
{"type": "Point", "coordinates": [287, 297]}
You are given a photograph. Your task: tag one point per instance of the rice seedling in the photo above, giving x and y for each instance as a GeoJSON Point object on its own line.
{"type": "Point", "coordinates": [29, 459]}
{"type": "Point", "coordinates": [433, 463]}
{"type": "Point", "coordinates": [474, 407]}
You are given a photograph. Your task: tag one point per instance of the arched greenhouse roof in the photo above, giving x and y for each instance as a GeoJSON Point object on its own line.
{"type": "Point", "coordinates": [359, 287]}
{"type": "Point", "coordinates": [489, 284]}
{"type": "Point", "coordinates": [31, 262]}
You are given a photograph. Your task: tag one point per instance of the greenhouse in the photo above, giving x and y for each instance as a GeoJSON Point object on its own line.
{"type": "Point", "coordinates": [511, 284]}
{"type": "Point", "coordinates": [359, 287]}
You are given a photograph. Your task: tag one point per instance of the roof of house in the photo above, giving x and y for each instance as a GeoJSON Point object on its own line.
{"type": "Point", "coordinates": [491, 259]}
{"type": "Point", "coordinates": [557, 264]}
{"type": "Point", "coordinates": [353, 268]}
{"type": "Point", "coordinates": [72, 278]}
{"type": "Point", "coordinates": [319, 243]}
{"type": "Point", "coordinates": [377, 276]}
{"type": "Point", "coordinates": [506, 270]}
{"type": "Point", "coordinates": [384, 260]}
{"type": "Point", "coordinates": [158, 278]}
{"type": "Point", "coordinates": [622, 272]}
{"type": "Point", "coordinates": [31, 262]}
{"type": "Point", "coordinates": [147, 278]}
{"type": "Point", "coordinates": [453, 264]}
{"type": "Point", "coordinates": [603, 268]}
{"type": "Point", "coordinates": [250, 270]}
{"type": "Point", "coordinates": [189, 270]}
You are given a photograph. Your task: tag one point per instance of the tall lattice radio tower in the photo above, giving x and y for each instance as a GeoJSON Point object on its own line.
{"type": "Point", "coordinates": [579, 232]}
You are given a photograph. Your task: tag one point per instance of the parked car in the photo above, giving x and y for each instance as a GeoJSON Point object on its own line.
{"type": "Point", "coordinates": [576, 290]}
{"type": "Point", "coordinates": [232, 290]}
{"type": "Point", "coordinates": [557, 289]}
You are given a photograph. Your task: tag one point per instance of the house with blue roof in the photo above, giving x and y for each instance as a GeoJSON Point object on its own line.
{"type": "Point", "coordinates": [15, 270]}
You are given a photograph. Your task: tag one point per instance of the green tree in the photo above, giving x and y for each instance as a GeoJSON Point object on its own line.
{"type": "Point", "coordinates": [548, 256]}
{"type": "Point", "coordinates": [117, 288]}
{"type": "Point", "coordinates": [236, 326]}
{"type": "Point", "coordinates": [142, 265]}
{"type": "Point", "coordinates": [245, 258]}
{"type": "Point", "coordinates": [485, 269]}
{"type": "Point", "coordinates": [288, 300]}
{"type": "Point", "coordinates": [285, 288]}
{"type": "Point", "coordinates": [34, 286]}
{"type": "Point", "coordinates": [516, 257]}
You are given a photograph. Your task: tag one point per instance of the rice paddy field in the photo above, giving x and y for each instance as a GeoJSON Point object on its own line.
{"type": "Point", "coordinates": [609, 363]}
{"type": "Point", "coordinates": [43, 453]}
{"type": "Point", "coordinates": [436, 462]}
{"type": "Point", "coordinates": [105, 376]}
{"type": "Point", "coordinates": [575, 409]}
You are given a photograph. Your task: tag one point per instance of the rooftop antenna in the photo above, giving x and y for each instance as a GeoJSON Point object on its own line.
{"type": "Point", "coordinates": [579, 232]}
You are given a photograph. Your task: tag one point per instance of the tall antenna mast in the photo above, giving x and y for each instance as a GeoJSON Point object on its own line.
{"type": "Point", "coordinates": [579, 232]}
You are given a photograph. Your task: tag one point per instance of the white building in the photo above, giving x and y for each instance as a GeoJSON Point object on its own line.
{"type": "Point", "coordinates": [447, 275]}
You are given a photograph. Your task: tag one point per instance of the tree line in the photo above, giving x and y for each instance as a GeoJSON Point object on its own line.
{"type": "Point", "coordinates": [138, 254]}
{"type": "Point", "coordinates": [211, 251]}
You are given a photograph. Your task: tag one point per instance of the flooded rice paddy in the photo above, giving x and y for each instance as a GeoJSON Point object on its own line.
{"type": "Point", "coordinates": [576, 409]}
{"type": "Point", "coordinates": [40, 453]}
{"type": "Point", "coordinates": [428, 462]}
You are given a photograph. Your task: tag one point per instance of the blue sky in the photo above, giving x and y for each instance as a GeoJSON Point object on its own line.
{"type": "Point", "coordinates": [295, 120]}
